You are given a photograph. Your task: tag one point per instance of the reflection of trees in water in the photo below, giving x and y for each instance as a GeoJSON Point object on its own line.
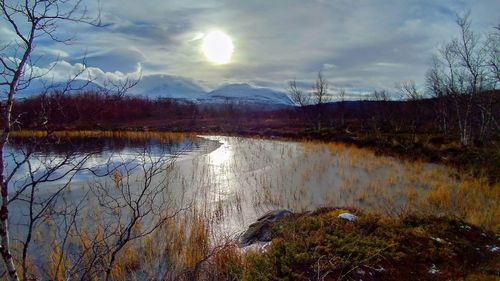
{"type": "Point", "coordinates": [132, 201]}
{"type": "Point", "coordinates": [61, 146]}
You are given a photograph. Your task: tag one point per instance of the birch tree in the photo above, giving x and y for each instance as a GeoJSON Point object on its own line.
{"type": "Point", "coordinates": [320, 98]}
{"type": "Point", "coordinates": [30, 21]}
{"type": "Point", "coordinates": [464, 72]}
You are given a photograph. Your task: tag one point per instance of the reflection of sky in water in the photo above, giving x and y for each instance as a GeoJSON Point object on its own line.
{"type": "Point", "coordinates": [91, 157]}
{"type": "Point", "coordinates": [244, 178]}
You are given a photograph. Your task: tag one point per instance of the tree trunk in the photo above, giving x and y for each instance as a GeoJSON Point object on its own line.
{"type": "Point", "coordinates": [4, 222]}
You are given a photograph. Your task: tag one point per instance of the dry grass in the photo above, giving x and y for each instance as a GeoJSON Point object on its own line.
{"type": "Point", "coordinates": [56, 263]}
{"type": "Point", "coordinates": [347, 176]}
{"type": "Point", "coordinates": [132, 135]}
{"type": "Point", "coordinates": [379, 184]}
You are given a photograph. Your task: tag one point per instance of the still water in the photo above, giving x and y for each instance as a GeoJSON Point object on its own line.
{"type": "Point", "coordinates": [232, 180]}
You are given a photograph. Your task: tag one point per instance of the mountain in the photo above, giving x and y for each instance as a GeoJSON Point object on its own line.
{"type": "Point", "coordinates": [180, 88]}
{"type": "Point", "coordinates": [39, 87]}
{"type": "Point", "coordinates": [166, 86]}
{"type": "Point", "coordinates": [244, 94]}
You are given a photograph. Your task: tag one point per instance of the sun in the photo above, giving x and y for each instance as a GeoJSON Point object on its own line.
{"type": "Point", "coordinates": [218, 47]}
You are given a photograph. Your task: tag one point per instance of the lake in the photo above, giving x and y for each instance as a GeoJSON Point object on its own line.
{"type": "Point", "coordinates": [237, 179]}
{"type": "Point", "coordinates": [189, 194]}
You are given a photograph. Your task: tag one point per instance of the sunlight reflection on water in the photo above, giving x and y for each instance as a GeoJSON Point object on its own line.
{"type": "Point", "coordinates": [222, 156]}
{"type": "Point", "coordinates": [221, 163]}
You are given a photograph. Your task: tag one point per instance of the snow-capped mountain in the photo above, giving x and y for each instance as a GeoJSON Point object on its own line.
{"type": "Point", "coordinates": [246, 94]}
{"type": "Point", "coordinates": [166, 86]}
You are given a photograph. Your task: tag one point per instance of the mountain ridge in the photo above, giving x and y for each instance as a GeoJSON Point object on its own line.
{"type": "Point", "coordinates": [183, 89]}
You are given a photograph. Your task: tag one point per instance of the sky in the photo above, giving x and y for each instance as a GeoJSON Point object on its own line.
{"type": "Point", "coordinates": [356, 44]}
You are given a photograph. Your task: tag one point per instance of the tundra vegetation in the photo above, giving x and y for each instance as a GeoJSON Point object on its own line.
{"type": "Point", "coordinates": [151, 218]}
{"type": "Point", "coordinates": [402, 205]}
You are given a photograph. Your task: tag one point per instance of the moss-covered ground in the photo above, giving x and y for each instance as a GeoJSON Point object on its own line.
{"type": "Point", "coordinates": [321, 246]}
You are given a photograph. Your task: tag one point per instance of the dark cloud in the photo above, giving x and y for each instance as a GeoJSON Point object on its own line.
{"type": "Point", "coordinates": [152, 33]}
{"type": "Point", "coordinates": [121, 59]}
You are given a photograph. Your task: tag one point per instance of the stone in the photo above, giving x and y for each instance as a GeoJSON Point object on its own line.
{"type": "Point", "coordinates": [260, 231]}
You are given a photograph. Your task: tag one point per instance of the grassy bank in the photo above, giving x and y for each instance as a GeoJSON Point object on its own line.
{"type": "Point", "coordinates": [321, 246]}
{"type": "Point", "coordinates": [92, 134]}
{"type": "Point", "coordinates": [477, 161]}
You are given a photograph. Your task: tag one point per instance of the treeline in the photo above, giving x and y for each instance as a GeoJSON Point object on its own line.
{"type": "Point", "coordinates": [88, 110]}
{"type": "Point", "coordinates": [417, 117]}
{"type": "Point", "coordinates": [461, 85]}
{"type": "Point", "coordinates": [93, 110]}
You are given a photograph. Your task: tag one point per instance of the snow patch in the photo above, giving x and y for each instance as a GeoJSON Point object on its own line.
{"type": "Point", "coordinates": [433, 269]}
{"type": "Point", "coordinates": [379, 269]}
{"type": "Point", "coordinates": [437, 239]}
{"type": "Point", "coordinates": [348, 216]}
{"type": "Point", "coordinates": [466, 227]}
{"type": "Point", "coordinates": [246, 94]}
{"type": "Point", "coordinates": [493, 248]}
{"type": "Point", "coordinates": [259, 247]}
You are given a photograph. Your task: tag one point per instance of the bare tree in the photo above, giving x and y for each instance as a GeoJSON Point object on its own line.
{"type": "Point", "coordinates": [493, 60]}
{"type": "Point", "coordinates": [135, 208]}
{"type": "Point", "coordinates": [493, 72]}
{"type": "Point", "coordinates": [379, 119]}
{"type": "Point", "coordinates": [437, 90]}
{"type": "Point", "coordinates": [300, 98]}
{"type": "Point", "coordinates": [134, 203]}
{"type": "Point", "coordinates": [341, 96]}
{"type": "Point", "coordinates": [297, 95]}
{"type": "Point", "coordinates": [409, 90]}
{"type": "Point", "coordinates": [463, 73]}
{"type": "Point", "coordinates": [311, 104]}
{"type": "Point", "coordinates": [30, 21]}
{"type": "Point", "coordinates": [320, 97]}
{"type": "Point", "coordinates": [28, 195]}
{"type": "Point", "coordinates": [380, 95]}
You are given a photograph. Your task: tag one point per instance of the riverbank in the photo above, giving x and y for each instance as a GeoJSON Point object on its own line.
{"type": "Point", "coordinates": [325, 246]}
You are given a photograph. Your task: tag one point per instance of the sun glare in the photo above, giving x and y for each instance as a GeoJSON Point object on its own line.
{"type": "Point", "coordinates": [217, 47]}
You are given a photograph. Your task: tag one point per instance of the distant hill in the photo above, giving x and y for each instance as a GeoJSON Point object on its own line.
{"type": "Point", "coordinates": [182, 89]}
{"type": "Point", "coordinates": [244, 94]}
{"type": "Point", "coordinates": [166, 86]}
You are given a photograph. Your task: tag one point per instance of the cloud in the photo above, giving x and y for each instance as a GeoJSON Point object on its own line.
{"type": "Point", "coordinates": [6, 35]}
{"type": "Point", "coordinates": [356, 43]}
{"type": "Point", "coordinates": [122, 59]}
{"type": "Point", "coordinates": [61, 71]}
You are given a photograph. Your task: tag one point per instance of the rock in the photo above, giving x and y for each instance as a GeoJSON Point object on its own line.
{"type": "Point", "coordinates": [348, 216]}
{"type": "Point", "coordinates": [260, 231]}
